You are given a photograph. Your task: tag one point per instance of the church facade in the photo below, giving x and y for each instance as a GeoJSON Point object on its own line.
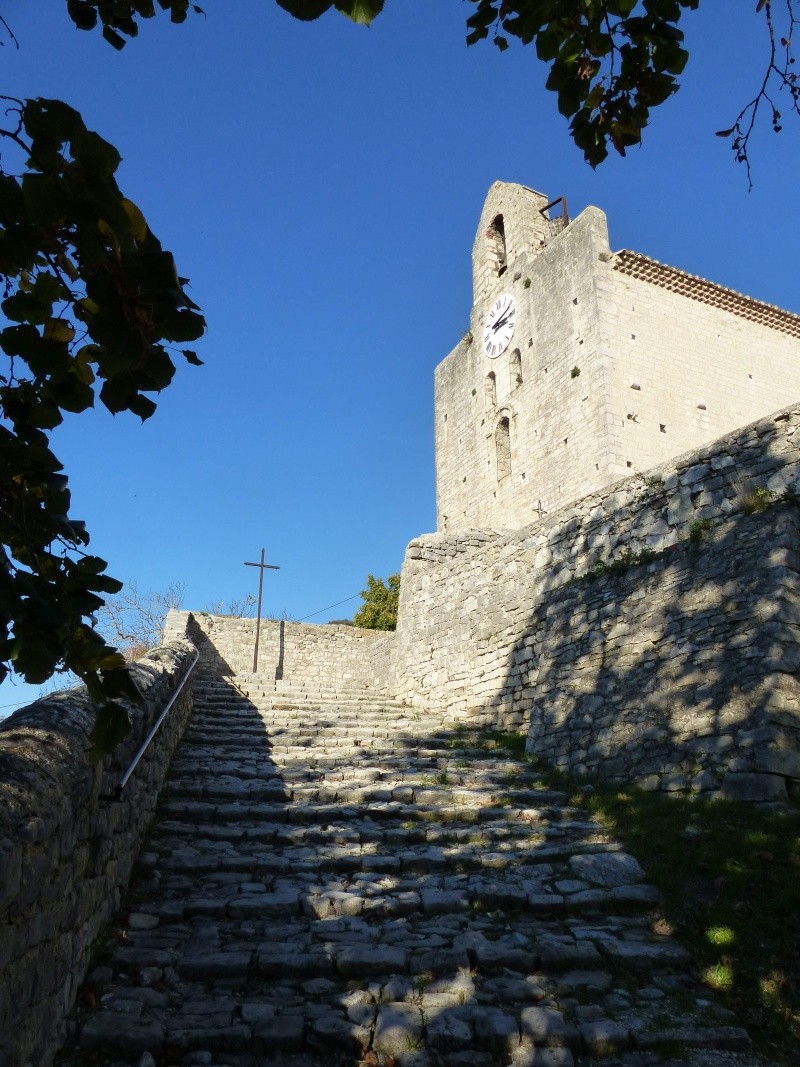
{"type": "Point", "coordinates": [582, 366]}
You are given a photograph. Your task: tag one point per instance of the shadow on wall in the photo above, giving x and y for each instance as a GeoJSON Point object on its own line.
{"type": "Point", "coordinates": [211, 659]}
{"type": "Point", "coordinates": [680, 672]}
{"type": "Point", "coordinates": [281, 651]}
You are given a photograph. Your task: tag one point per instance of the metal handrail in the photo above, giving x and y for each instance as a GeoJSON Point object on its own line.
{"type": "Point", "coordinates": [134, 762]}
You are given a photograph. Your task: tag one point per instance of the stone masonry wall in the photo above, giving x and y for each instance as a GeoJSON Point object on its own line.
{"type": "Point", "coordinates": [680, 671]}
{"type": "Point", "coordinates": [294, 654]}
{"type": "Point", "coordinates": [65, 851]}
{"type": "Point", "coordinates": [524, 226]}
{"type": "Point", "coordinates": [681, 370]}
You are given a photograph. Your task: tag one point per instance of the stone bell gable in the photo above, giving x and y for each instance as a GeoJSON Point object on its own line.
{"type": "Point", "coordinates": [616, 363]}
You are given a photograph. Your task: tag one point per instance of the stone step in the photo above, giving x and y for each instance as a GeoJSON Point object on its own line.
{"type": "Point", "coordinates": [514, 1022]}
{"type": "Point", "coordinates": [291, 948]}
{"type": "Point", "coordinates": [257, 732]}
{"type": "Point", "coordinates": [364, 829]}
{"type": "Point", "coordinates": [344, 792]}
{"type": "Point", "coordinates": [373, 759]}
{"type": "Point", "coordinates": [394, 811]}
{"type": "Point", "coordinates": [329, 708]}
{"type": "Point", "coordinates": [289, 699]}
{"type": "Point", "coordinates": [249, 856]}
{"type": "Point", "coordinates": [376, 894]}
{"type": "Point", "coordinates": [359, 884]}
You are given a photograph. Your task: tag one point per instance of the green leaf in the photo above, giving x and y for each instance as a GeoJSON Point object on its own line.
{"type": "Point", "coordinates": [360, 11]}
{"type": "Point", "coordinates": [191, 357]}
{"type": "Point", "coordinates": [34, 659]}
{"type": "Point", "coordinates": [50, 120]}
{"type": "Point", "coordinates": [137, 219]}
{"type": "Point", "coordinates": [95, 154]}
{"type": "Point", "coordinates": [44, 199]}
{"type": "Point", "coordinates": [184, 326]}
{"type": "Point", "coordinates": [27, 307]}
{"type": "Point", "coordinates": [142, 406]}
{"type": "Point", "coordinates": [22, 341]}
{"type": "Point", "coordinates": [59, 331]}
{"type": "Point", "coordinates": [65, 217]}
{"type": "Point", "coordinates": [306, 10]}
{"type": "Point", "coordinates": [548, 43]}
{"type": "Point", "coordinates": [82, 14]}
{"type": "Point", "coordinates": [594, 97]}
{"type": "Point", "coordinates": [111, 726]}
{"type": "Point", "coordinates": [158, 371]}
{"type": "Point", "coordinates": [113, 38]}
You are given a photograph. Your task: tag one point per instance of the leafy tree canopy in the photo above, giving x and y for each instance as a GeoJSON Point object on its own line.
{"type": "Point", "coordinates": [90, 303]}
{"type": "Point", "coordinates": [612, 61]}
{"type": "Point", "coordinates": [379, 610]}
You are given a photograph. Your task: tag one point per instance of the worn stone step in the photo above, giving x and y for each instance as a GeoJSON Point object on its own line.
{"type": "Point", "coordinates": [235, 813]}
{"type": "Point", "coordinates": [301, 702]}
{"type": "Point", "coordinates": [321, 944]}
{"type": "Point", "coordinates": [335, 880]}
{"type": "Point", "coordinates": [366, 830]}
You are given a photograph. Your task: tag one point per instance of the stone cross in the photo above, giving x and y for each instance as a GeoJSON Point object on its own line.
{"type": "Point", "coordinates": [262, 566]}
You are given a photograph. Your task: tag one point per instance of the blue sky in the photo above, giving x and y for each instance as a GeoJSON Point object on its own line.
{"type": "Point", "coordinates": [320, 185]}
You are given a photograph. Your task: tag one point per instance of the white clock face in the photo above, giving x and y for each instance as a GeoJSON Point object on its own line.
{"type": "Point", "coordinates": [499, 328]}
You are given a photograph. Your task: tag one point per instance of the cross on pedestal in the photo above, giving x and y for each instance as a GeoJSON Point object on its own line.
{"type": "Point", "coordinates": [262, 566]}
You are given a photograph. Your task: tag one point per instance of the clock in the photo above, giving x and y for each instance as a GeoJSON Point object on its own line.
{"type": "Point", "coordinates": [499, 327]}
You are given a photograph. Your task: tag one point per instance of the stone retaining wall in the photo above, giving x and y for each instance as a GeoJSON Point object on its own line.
{"type": "Point", "coordinates": [65, 852]}
{"type": "Point", "coordinates": [680, 671]}
{"type": "Point", "coordinates": [294, 654]}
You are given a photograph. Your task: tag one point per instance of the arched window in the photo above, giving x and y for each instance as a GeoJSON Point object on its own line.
{"type": "Point", "coordinates": [496, 245]}
{"type": "Point", "coordinates": [490, 390]}
{"type": "Point", "coordinates": [515, 368]}
{"type": "Point", "coordinates": [502, 447]}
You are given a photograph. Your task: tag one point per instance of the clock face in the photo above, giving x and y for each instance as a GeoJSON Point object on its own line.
{"type": "Point", "coordinates": [499, 328]}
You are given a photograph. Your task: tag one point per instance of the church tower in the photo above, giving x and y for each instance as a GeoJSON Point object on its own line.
{"type": "Point", "coordinates": [510, 421]}
{"type": "Point", "coordinates": [582, 366]}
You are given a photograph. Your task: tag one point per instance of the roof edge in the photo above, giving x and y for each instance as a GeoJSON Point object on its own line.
{"type": "Point", "coordinates": [694, 287]}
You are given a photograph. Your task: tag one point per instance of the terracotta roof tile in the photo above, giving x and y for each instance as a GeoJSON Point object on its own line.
{"type": "Point", "coordinates": [690, 285]}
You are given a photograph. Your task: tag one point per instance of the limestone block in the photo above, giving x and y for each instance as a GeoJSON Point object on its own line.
{"type": "Point", "coordinates": [607, 868]}
{"type": "Point", "coordinates": [743, 786]}
{"type": "Point", "coordinates": [495, 1029]}
{"type": "Point", "coordinates": [604, 1037]}
{"type": "Point", "coordinates": [398, 1028]}
{"type": "Point", "coordinates": [546, 1026]}
{"type": "Point", "coordinates": [449, 1030]}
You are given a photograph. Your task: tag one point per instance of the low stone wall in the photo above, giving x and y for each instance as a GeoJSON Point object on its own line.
{"type": "Point", "coordinates": [680, 671]}
{"type": "Point", "coordinates": [66, 852]}
{"type": "Point", "coordinates": [294, 654]}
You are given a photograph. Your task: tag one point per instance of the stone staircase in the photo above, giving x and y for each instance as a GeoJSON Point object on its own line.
{"type": "Point", "coordinates": [333, 880]}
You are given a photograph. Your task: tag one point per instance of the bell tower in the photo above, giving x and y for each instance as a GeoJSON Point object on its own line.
{"type": "Point", "coordinates": [513, 223]}
{"type": "Point", "coordinates": [582, 366]}
{"type": "Point", "coordinates": [501, 401]}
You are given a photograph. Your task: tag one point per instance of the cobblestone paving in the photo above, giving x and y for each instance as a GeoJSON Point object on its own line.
{"type": "Point", "coordinates": [333, 882]}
